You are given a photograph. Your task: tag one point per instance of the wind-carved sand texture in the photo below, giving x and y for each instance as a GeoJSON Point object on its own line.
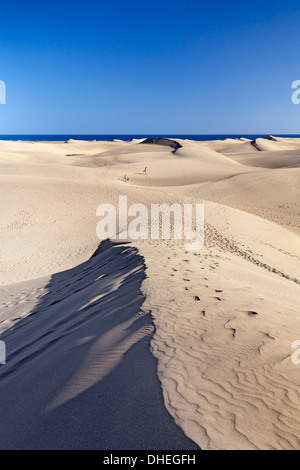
{"type": "Point", "coordinates": [220, 322]}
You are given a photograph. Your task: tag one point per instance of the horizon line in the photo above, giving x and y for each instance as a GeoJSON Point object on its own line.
{"type": "Point", "coordinates": [154, 133]}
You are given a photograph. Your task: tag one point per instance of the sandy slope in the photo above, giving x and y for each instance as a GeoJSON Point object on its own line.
{"type": "Point", "coordinates": [224, 360]}
{"type": "Point", "coordinates": [79, 372]}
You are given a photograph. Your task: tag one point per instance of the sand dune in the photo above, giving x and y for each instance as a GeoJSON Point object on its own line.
{"type": "Point", "coordinates": [225, 320]}
{"type": "Point", "coordinates": [174, 144]}
{"type": "Point", "coordinates": [278, 144]}
{"type": "Point", "coordinates": [273, 195]}
{"type": "Point", "coordinates": [79, 328]}
{"type": "Point", "coordinates": [79, 371]}
{"type": "Point", "coordinates": [269, 159]}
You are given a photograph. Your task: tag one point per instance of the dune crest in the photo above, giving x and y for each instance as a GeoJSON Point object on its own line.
{"type": "Point", "coordinates": [162, 141]}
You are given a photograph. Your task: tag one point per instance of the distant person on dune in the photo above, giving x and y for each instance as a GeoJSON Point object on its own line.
{"type": "Point", "coordinates": [126, 178]}
{"type": "Point", "coordinates": [145, 170]}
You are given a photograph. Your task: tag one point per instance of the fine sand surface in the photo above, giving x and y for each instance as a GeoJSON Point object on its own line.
{"type": "Point", "coordinates": [141, 344]}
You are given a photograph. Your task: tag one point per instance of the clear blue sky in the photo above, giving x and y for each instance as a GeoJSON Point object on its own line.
{"type": "Point", "coordinates": [146, 67]}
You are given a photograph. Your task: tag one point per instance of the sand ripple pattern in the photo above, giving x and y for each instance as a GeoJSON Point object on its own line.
{"type": "Point", "coordinates": [223, 344]}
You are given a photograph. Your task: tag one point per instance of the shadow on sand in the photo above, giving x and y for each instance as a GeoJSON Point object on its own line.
{"type": "Point", "coordinates": [79, 372]}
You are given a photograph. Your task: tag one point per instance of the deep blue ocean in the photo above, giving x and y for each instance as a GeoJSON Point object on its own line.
{"type": "Point", "coordinates": [108, 137]}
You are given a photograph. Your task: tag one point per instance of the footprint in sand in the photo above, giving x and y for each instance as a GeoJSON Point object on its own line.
{"type": "Point", "coordinates": [252, 314]}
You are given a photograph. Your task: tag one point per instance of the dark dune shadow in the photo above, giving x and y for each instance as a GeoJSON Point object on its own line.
{"type": "Point", "coordinates": [79, 372]}
{"type": "Point", "coordinates": [163, 141]}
